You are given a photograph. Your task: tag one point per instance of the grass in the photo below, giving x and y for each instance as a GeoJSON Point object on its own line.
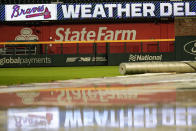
{"type": "Point", "coordinates": [14, 76]}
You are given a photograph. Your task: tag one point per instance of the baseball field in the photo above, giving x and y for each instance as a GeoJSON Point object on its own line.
{"type": "Point", "coordinates": [14, 76]}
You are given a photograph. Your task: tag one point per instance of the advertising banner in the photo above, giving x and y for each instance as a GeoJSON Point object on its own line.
{"type": "Point", "coordinates": [110, 10]}
{"type": "Point", "coordinates": [186, 48]}
{"type": "Point", "coordinates": [27, 12]}
{"type": "Point", "coordinates": [51, 60]}
{"type": "Point", "coordinates": [79, 60]}
{"type": "Point", "coordinates": [119, 10]}
{"type": "Point", "coordinates": [88, 32]}
{"type": "Point", "coordinates": [116, 59]}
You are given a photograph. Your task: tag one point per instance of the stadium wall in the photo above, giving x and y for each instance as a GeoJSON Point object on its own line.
{"type": "Point", "coordinates": [168, 24]}
{"type": "Point", "coordinates": [185, 26]}
{"type": "Point", "coordinates": [76, 32]}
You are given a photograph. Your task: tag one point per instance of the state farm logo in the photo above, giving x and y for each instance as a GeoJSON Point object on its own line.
{"type": "Point", "coordinates": [91, 34]}
{"type": "Point", "coordinates": [28, 97]}
{"type": "Point", "coordinates": [190, 47]}
{"type": "Point", "coordinates": [31, 12]}
{"type": "Point", "coordinates": [26, 34]}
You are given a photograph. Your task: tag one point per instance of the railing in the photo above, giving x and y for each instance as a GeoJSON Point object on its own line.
{"type": "Point", "coordinates": [95, 41]}
{"type": "Point", "coordinates": [42, 47]}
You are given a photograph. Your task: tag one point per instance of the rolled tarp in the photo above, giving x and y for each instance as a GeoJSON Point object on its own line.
{"type": "Point", "coordinates": [157, 67]}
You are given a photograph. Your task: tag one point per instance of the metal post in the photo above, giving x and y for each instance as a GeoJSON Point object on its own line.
{"type": "Point", "coordinates": [158, 48]}
{"type": "Point", "coordinates": [29, 49]}
{"type": "Point", "coordinates": [95, 51]}
{"type": "Point", "coordinates": [45, 49]}
{"type": "Point", "coordinates": [107, 52]}
{"type": "Point", "coordinates": [77, 49]}
{"type": "Point", "coordinates": [61, 49]}
{"type": "Point", "coordinates": [125, 47]}
{"type": "Point", "coordinates": [14, 49]}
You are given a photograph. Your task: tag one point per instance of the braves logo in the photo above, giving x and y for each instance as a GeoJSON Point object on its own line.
{"type": "Point", "coordinates": [31, 12]}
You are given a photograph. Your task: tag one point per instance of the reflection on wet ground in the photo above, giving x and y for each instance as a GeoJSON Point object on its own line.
{"type": "Point", "coordinates": [135, 117]}
{"type": "Point", "coordinates": [142, 102]}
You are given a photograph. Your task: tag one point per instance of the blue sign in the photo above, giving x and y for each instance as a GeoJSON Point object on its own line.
{"type": "Point", "coordinates": [2, 12]}
{"type": "Point", "coordinates": [119, 10]}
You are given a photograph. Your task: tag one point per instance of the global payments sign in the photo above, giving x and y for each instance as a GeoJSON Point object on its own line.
{"type": "Point", "coordinates": [112, 10]}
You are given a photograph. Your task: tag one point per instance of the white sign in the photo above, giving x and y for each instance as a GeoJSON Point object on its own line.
{"type": "Point", "coordinates": [128, 10]}
{"type": "Point", "coordinates": [27, 12]}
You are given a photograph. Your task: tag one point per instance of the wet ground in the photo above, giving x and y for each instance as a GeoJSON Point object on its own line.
{"type": "Point", "coordinates": [144, 102]}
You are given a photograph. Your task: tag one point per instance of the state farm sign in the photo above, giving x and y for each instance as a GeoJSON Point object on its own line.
{"type": "Point", "coordinates": [102, 33]}
{"type": "Point", "coordinates": [91, 32]}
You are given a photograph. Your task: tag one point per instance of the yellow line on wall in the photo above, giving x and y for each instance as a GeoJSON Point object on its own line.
{"type": "Point", "coordinates": [96, 41]}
